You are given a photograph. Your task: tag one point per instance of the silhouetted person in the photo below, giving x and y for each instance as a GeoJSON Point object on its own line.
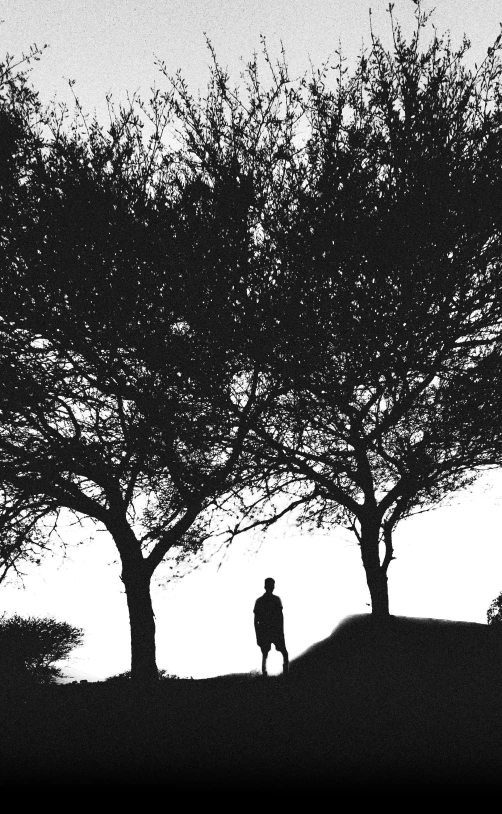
{"type": "Point", "coordinates": [269, 625]}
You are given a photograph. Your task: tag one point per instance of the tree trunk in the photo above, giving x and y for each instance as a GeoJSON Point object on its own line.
{"type": "Point", "coordinates": [136, 581]}
{"type": "Point", "coordinates": [376, 574]}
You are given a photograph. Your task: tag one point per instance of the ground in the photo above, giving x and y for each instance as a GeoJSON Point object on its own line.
{"type": "Point", "coordinates": [414, 704]}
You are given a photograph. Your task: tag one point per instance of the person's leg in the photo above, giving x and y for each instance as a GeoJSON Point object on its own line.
{"type": "Point", "coordinates": [282, 650]}
{"type": "Point", "coordinates": [264, 651]}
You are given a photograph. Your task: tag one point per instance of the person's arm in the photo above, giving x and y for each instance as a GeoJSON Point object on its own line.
{"type": "Point", "coordinates": [256, 622]}
{"type": "Point", "coordinates": [280, 615]}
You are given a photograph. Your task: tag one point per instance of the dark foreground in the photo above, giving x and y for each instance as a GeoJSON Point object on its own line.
{"type": "Point", "coordinates": [417, 705]}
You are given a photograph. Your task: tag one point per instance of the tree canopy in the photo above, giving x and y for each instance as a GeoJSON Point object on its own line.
{"type": "Point", "coordinates": [390, 278]}
{"type": "Point", "coordinates": [103, 408]}
{"type": "Point", "coordinates": [370, 304]}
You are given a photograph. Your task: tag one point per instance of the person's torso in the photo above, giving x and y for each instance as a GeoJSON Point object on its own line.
{"type": "Point", "coordinates": [268, 609]}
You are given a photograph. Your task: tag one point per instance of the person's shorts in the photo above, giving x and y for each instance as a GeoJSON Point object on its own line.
{"type": "Point", "coordinates": [265, 642]}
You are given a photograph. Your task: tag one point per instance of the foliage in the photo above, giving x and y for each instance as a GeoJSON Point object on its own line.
{"type": "Point", "coordinates": [29, 648]}
{"type": "Point", "coordinates": [391, 277]}
{"type": "Point", "coordinates": [494, 612]}
{"type": "Point", "coordinates": [25, 530]}
{"type": "Point", "coordinates": [360, 283]}
{"type": "Point", "coordinates": [107, 393]}
{"type": "Point", "coordinates": [21, 538]}
{"type": "Point", "coordinates": [126, 676]}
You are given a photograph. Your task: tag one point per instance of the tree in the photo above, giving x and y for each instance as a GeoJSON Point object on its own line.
{"type": "Point", "coordinates": [106, 406]}
{"type": "Point", "coordinates": [387, 295]}
{"type": "Point", "coordinates": [369, 305]}
{"type": "Point", "coordinates": [29, 648]}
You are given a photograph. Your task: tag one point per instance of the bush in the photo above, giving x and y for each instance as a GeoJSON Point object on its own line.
{"type": "Point", "coordinates": [30, 646]}
{"type": "Point", "coordinates": [494, 612]}
{"type": "Point", "coordinates": [126, 676]}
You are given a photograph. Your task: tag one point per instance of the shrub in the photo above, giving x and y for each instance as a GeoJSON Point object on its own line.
{"type": "Point", "coordinates": [494, 612]}
{"type": "Point", "coordinates": [29, 648]}
{"type": "Point", "coordinates": [125, 676]}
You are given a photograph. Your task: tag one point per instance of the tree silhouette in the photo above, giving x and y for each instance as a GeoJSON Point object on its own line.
{"type": "Point", "coordinates": [387, 339]}
{"type": "Point", "coordinates": [106, 399]}
{"type": "Point", "coordinates": [370, 305]}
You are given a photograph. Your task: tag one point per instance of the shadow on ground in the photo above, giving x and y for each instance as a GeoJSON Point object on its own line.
{"type": "Point", "coordinates": [417, 703]}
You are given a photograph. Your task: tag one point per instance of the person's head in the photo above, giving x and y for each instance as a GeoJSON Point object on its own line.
{"type": "Point", "coordinates": [269, 585]}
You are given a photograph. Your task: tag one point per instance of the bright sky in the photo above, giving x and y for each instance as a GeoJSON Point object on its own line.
{"type": "Point", "coordinates": [448, 562]}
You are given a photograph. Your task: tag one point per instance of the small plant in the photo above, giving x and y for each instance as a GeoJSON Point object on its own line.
{"type": "Point", "coordinates": [494, 612]}
{"type": "Point", "coordinates": [165, 676]}
{"type": "Point", "coordinates": [119, 678]}
{"type": "Point", "coordinates": [126, 676]}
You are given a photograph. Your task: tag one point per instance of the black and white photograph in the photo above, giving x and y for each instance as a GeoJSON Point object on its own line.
{"type": "Point", "coordinates": [251, 396]}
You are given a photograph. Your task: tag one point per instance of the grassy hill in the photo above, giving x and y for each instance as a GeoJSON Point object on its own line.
{"type": "Point", "coordinates": [415, 704]}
